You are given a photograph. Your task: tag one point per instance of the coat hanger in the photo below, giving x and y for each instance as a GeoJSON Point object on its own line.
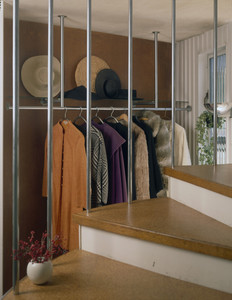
{"type": "Point", "coordinates": [79, 116]}
{"type": "Point", "coordinates": [123, 117]}
{"type": "Point", "coordinates": [65, 114]}
{"type": "Point", "coordinates": [142, 118]}
{"type": "Point", "coordinates": [165, 117]}
{"type": "Point", "coordinates": [111, 116]}
{"type": "Point", "coordinates": [97, 117]}
{"type": "Point", "coordinates": [65, 120]}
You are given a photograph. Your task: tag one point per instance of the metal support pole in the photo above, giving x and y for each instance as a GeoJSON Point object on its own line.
{"type": "Point", "coordinates": [15, 158]}
{"type": "Point", "coordinates": [215, 81]}
{"type": "Point", "coordinates": [50, 122]}
{"type": "Point", "coordinates": [156, 66]}
{"type": "Point", "coordinates": [130, 83]}
{"type": "Point", "coordinates": [173, 77]}
{"type": "Point", "coordinates": [89, 104]}
{"type": "Point", "coordinates": [62, 60]}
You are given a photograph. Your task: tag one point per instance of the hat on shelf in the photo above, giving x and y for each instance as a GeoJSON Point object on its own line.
{"type": "Point", "coordinates": [107, 84]}
{"type": "Point", "coordinates": [34, 75]}
{"type": "Point", "coordinates": [97, 64]}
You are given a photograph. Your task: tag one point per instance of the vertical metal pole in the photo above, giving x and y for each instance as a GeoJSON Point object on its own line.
{"type": "Point", "coordinates": [2, 7]}
{"type": "Point", "coordinates": [15, 158]}
{"type": "Point", "coordinates": [156, 66]}
{"type": "Point", "coordinates": [173, 77]}
{"type": "Point", "coordinates": [62, 60]}
{"type": "Point", "coordinates": [89, 104]}
{"type": "Point", "coordinates": [215, 80]}
{"type": "Point", "coordinates": [130, 83]}
{"type": "Point", "coordinates": [50, 122]}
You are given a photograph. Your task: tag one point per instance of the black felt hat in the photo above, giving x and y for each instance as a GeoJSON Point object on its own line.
{"type": "Point", "coordinates": [107, 84]}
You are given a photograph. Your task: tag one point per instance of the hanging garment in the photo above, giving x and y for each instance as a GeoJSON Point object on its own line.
{"type": "Point", "coordinates": [141, 160]}
{"type": "Point", "coordinates": [155, 178]}
{"type": "Point", "coordinates": [99, 167]}
{"type": "Point", "coordinates": [117, 177]}
{"type": "Point", "coordinates": [69, 181]}
{"type": "Point", "coordinates": [162, 144]}
{"type": "Point", "coordinates": [123, 131]}
{"type": "Point", "coordinates": [181, 149]}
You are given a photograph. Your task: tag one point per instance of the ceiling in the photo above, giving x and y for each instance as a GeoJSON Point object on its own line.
{"type": "Point", "coordinates": [193, 17]}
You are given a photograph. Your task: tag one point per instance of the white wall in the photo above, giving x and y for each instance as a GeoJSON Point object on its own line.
{"type": "Point", "coordinates": [191, 55]}
{"type": "Point", "coordinates": [1, 144]}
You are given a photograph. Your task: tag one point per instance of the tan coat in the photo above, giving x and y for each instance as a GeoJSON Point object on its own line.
{"type": "Point", "coordinates": [69, 180]}
{"type": "Point", "coordinates": [141, 162]}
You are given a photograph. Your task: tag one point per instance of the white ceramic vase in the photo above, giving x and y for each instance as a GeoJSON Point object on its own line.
{"type": "Point", "coordinates": [39, 273]}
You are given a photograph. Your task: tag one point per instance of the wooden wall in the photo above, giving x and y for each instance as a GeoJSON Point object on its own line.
{"type": "Point", "coordinates": [33, 124]}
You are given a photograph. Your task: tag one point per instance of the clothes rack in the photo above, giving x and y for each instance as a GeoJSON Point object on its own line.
{"type": "Point", "coordinates": [50, 109]}
{"type": "Point", "coordinates": [187, 108]}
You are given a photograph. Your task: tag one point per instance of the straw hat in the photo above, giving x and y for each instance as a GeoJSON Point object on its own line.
{"type": "Point", "coordinates": [97, 64]}
{"type": "Point", "coordinates": [34, 75]}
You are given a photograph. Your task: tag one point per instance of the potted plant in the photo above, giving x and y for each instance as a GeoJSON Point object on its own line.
{"type": "Point", "coordinates": [39, 268]}
{"type": "Point", "coordinates": [205, 143]}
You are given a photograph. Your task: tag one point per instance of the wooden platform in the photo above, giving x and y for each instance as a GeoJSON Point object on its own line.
{"type": "Point", "coordinates": [84, 276]}
{"type": "Point", "coordinates": [215, 178]}
{"type": "Point", "coordinates": [163, 221]}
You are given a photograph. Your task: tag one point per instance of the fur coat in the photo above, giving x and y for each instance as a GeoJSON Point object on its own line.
{"type": "Point", "coordinates": [162, 143]}
{"type": "Point", "coordinates": [141, 162]}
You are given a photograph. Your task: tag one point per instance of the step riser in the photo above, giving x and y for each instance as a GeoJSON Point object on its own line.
{"type": "Point", "coordinates": [185, 265]}
{"type": "Point", "coordinates": [205, 201]}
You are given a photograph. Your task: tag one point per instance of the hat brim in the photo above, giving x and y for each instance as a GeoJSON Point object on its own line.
{"type": "Point", "coordinates": [30, 79]}
{"type": "Point", "coordinates": [102, 77]}
{"type": "Point", "coordinates": [97, 64]}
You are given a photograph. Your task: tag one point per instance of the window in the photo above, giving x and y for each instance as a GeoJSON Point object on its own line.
{"type": "Point", "coordinates": [221, 78]}
{"type": "Point", "coordinates": [221, 98]}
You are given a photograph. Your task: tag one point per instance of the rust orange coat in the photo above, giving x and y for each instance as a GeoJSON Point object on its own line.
{"type": "Point", "coordinates": [69, 180]}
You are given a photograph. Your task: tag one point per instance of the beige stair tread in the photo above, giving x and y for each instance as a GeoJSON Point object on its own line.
{"type": "Point", "coordinates": [215, 178]}
{"type": "Point", "coordinates": [85, 276]}
{"type": "Point", "coordinates": [164, 221]}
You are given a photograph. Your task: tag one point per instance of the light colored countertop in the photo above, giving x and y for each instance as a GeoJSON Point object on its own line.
{"type": "Point", "coordinates": [215, 178]}
{"type": "Point", "coordinates": [79, 275]}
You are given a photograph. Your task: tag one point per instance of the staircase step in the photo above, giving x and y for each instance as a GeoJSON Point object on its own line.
{"type": "Point", "coordinates": [214, 178]}
{"type": "Point", "coordinates": [82, 275]}
{"type": "Point", "coordinates": [163, 221]}
{"type": "Point", "coordinates": [163, 236]}
{"type": "Point", "coordinates": [207, 189]}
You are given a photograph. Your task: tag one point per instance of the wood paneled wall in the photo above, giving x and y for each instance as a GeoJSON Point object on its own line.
{"type": "Point", "coordinates": [33, 124]}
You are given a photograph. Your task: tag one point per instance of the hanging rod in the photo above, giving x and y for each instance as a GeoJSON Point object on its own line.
{"type": "Point", "coordinates": [187, 108]}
